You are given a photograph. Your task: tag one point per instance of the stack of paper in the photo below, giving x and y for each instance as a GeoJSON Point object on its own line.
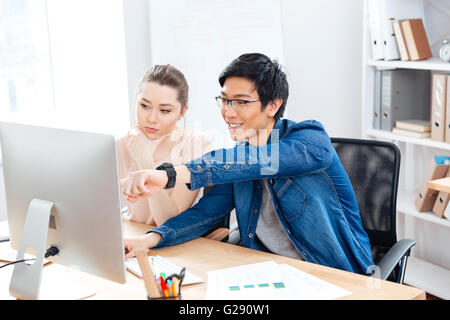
{"type": "Point", "coordinates": [416, 128]}
{"type": "Point", "coordinates": [270, 281]}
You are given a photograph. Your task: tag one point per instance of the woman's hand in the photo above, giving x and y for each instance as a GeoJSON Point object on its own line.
{"type": "Point", "coordinates": [143, 184]}
{"type": "Point", "coordinates": [144, 242]}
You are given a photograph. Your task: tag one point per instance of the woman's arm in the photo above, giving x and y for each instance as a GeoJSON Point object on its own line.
{"type": "Point", "coordinates": [163, 207]}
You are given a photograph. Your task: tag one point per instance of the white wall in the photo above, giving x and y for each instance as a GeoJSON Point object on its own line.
{"type": "Point", "coordinates": [323, 55]}
{"type": "Point", "coordinates": [137, 43]}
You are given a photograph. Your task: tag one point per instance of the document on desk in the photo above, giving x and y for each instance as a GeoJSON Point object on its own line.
{"type": "Point", "coordinates": [269, 280]}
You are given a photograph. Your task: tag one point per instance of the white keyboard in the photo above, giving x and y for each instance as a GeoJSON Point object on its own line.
{"type": "Point", "coordinates": [161, 265]}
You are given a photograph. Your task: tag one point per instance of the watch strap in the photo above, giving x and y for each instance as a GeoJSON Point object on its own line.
{"type": "Point", "coordinates": [171, 174]}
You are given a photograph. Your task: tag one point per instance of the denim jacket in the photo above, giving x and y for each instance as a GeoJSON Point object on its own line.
{"type": "Point", "coordinates": [311, 193]}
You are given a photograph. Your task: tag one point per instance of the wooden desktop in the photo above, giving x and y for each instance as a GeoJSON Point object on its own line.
{"type": "Point", "coordinates": [202, 255]}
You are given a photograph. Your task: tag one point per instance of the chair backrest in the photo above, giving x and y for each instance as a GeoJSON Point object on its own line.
{"type": "Point", "coordinates": [373, 168]}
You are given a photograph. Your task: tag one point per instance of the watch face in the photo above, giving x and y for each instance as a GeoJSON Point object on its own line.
{"type": "Point", "coordinates": [444, 52]}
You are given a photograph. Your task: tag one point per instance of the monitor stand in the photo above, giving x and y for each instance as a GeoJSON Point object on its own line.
{"type": "Point", "coordinates": [26, 279]}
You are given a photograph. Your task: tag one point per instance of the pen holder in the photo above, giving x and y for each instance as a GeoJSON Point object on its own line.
{"type": "Point", "coordinates": [164, 298]}
{"type": "Point", "coordinates": [171, 290]}
{"type": "Point", "coordinates": [153, 288]}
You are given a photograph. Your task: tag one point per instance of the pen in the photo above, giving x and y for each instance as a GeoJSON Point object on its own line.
{"type": "Point", "coordinates": [158, 283]}
{"type": "Point", "coordinates": [174, 287]}
{"type": "Point", "coordinates": [169, 287]}
{"type": "Point", "coordinates": [164, 287]}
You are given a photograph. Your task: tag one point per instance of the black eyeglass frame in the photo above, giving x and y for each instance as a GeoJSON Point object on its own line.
{"type": "Point", "coordinates": [220, 100]}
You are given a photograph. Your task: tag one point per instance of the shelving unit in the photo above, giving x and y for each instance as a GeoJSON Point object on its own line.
{"type": "Point", "coordinates": [386, 135]}
{"type": "Point", "coordinates": [429, 64]}
{"type": "Point", "coordinates": [429, 265]}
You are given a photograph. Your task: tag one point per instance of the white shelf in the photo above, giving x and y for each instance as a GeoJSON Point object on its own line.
{"type": "Point", "coordinates": [429, 277]}
{"type": "Point", "coordinates": [405, 205]}
{"type": "Point", "coordinates": [430, 270]}
{"type": "Point", "coordinates": [396, 137]}
{"type": "Point", "coordinates": [430, 64]}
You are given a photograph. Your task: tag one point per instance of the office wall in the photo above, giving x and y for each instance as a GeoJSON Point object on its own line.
{"type": "Point", "coordinates": [322, 53]}
{"type": "Point", "coordinates": [322, 42]}
{"type": "Point", "coordinates": [201, 37]}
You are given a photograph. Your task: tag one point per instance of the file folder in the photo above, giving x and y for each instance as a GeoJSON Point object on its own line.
{"type": "Point", "coordinates": [403, 51]}
{"type": "Point", "coordinates": [426, 197]}
{"type": "Point", "coordinates": [376, 37]}
{"type": "Point", "coordinates": [441, 203]}
{"type": "Point", "coordinates": [447, 112]}
{"type": "Point", "coordinates": [416, 39]}
{"type": "Point", "coordinates": [438, 106]}
{"type": "Point", "coordinates": [376, 123]}
{"type": "Point", "coordinates": [405, 94]}
{"type": "Point", "coordinates": [391, 10]}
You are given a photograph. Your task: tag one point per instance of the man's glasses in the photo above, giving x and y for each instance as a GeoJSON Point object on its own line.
{"type": "Point", "coordinates": [236, 104]}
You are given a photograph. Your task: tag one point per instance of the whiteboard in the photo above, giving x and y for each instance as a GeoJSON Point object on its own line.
{"type": "Point", "coordinates": [201, 37]}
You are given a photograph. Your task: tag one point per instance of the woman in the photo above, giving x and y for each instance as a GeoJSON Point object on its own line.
{"type": "Point", "coordinates": [161, 101]}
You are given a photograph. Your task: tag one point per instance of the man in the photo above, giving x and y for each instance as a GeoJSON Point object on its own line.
{"type": "Point", "coordinates": [291, 194]}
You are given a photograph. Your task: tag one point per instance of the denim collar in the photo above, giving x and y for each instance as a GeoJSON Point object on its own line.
{"type": "Point", "coordinates": [279, 125]}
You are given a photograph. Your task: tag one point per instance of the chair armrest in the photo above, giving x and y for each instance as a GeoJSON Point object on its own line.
{"type": "Point", "coordinates": [218, 234]}
{"type": "Point", "coordinates": [393, 257]}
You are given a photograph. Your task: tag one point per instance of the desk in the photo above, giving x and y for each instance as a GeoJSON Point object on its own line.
{"type": "Point", "coordinates": [202, 255]}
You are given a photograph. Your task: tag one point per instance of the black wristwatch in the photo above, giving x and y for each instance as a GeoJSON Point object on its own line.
{"type": "Point", "coordinates": [171, 174]}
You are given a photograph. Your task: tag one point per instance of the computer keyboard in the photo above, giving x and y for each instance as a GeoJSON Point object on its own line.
{"type": "Point", "coordinates": [161, 265]}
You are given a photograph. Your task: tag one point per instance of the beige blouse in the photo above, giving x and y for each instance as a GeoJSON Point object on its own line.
{"type": "Point", "coordinates": [137, 152]}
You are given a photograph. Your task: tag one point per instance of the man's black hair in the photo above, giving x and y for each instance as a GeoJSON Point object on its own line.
{"type": "Point", "coordinates": [270, 81]}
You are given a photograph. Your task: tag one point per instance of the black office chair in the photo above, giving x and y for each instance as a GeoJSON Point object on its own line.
{"type": "Point", "coordinates": [373, 168]}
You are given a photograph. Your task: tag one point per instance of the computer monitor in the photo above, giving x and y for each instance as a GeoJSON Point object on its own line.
{"type": "Point", "coordinates": [75, 175]}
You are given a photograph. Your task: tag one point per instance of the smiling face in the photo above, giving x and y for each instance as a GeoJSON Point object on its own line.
{"type": "Point", "coordinates": [158, 110]}
{"type": "Point", "coordinates": [251, 123]}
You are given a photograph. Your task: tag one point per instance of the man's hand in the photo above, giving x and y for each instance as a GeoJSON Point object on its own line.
{"type": "Point", "coordinates": [143, 184]}
{"type": "Point", "coordinates": [143, 242]}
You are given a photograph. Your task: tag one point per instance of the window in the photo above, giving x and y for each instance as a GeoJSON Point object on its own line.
{"type": "Point", "coordinates": [25, 70]}
{"type": "Point", "coordinates": [63, 64]}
